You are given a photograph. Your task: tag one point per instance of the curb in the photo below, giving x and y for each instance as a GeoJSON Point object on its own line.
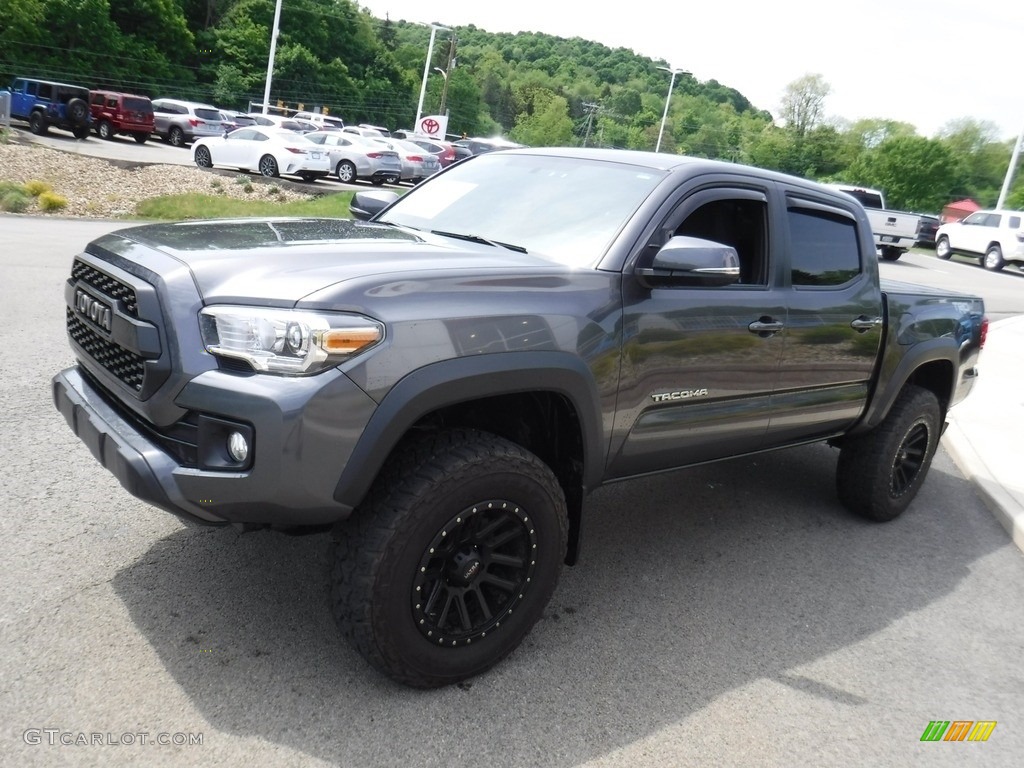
{"type": "Point", "coordinates": [1006, 509]}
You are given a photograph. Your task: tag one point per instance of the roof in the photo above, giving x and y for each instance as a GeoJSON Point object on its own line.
{"type": "Point", "coordinates": [964, 205]}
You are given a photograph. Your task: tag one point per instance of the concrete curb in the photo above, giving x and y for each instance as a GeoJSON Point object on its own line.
{"type": "Point", "coordinates": [986, 430]}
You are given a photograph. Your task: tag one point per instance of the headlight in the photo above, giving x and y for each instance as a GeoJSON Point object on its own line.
{"type": "Point", "coordinates": [284, 340]}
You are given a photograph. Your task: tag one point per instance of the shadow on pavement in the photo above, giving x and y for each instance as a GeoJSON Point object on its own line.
{"type": "Point", "coordinates": [691, 584]}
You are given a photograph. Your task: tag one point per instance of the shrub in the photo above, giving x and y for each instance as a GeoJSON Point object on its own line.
{"type": "Point", "coordinates": [51, 201]}
{"type": "Point", "coordinates": [35, 187]}
{"type": "Point", "coordinates": [14, 200]}
{"type": "Point", "coordinates": [247, 187]}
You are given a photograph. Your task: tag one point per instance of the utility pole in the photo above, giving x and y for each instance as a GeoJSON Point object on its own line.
{"type": "Point", "coordinates": [591, 110]}
{"type": "Point", "coordinates": [447, 73]}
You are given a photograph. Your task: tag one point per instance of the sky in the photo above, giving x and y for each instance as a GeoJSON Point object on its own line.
{"type": "Point", "coordinates": [915, 61]}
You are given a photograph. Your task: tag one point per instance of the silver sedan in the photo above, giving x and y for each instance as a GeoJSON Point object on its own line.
{"type": "Point", "coordinates": [356, 159]}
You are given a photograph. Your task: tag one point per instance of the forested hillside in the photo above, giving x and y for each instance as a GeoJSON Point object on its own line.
{"type": "Point", "coordinates": [535, 88]}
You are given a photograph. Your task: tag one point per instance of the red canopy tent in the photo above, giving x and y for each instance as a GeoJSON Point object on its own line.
{"type": "Point", "coordinates": [959, 210]}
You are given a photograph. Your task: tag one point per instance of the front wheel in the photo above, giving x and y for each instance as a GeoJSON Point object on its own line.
{"type": "Point", "coordinates": [140, 137]}
{"type": "Point", "coordinates": [309, 176]}
{"type": "Point", "coordinates": [880, 472]}
{"type": "Point", "coordinates": [268, 166]}
{"type": "Point", "coordinates": [105, 130]}
{"type": "Point", "coordinates": [993, 259]}
{"type": "Point", "coordinates": [942, 249]}
{"type": "Point", "coordinates": [452, 559]}
{"type": "Point", "coordinates": [80, 132]}
{"type": "Point", "coordinates": [203, 158]}
{"type": "Point", "coordinates": [37, 123]}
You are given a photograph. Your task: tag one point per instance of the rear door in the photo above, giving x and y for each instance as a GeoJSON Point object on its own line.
{"type": "Point", "coordinates": [834, 320]}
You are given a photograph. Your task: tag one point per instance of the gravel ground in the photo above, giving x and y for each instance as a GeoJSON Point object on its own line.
{"type": "Point", "coordinates": [97, 188]}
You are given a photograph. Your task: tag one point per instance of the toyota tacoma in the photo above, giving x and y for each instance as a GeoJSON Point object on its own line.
{"type": "Point", "coordinates": [442, 381]}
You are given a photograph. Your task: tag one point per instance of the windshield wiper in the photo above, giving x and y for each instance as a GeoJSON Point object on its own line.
{"type": "Point", "coordinates": [479, 239]}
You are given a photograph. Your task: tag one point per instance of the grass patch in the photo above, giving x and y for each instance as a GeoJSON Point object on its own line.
{"type": "Point", "coordinates": [196, 206]}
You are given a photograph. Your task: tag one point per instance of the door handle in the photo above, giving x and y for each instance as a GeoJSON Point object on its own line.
{"type": "Point", "coordinates": [766, 326]}
{"type": "Point", "coordinates": [865, 323]}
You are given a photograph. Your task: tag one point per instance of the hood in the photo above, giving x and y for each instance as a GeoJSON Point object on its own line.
{"type": "Point", "coordinates": [280, 261]}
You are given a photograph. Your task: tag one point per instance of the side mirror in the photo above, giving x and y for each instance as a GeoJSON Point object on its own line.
{"type": "Point", "coordinates": [685, 260]}
{"type": "Point", "coordinates": [366, 205]}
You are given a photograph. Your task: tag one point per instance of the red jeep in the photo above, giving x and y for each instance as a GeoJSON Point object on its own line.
{"type": "Point", "coordinates": [114, 113]}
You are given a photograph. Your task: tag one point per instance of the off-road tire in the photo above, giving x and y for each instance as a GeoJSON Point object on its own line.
{"type": "Point", "coordinates": [993, 259]}
{"type": "Point", "coordinates": [469, 518]}
{"type": "Point", "coordinates": [77, 111]}
{"type": "Point", "coordinates": [880, 472]}
{"type": "Point", "coordinates": [942, 249]}
{"type": "Point", "coordinates": [37, 123]}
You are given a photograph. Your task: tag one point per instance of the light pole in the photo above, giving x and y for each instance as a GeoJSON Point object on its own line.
{"type": "Point", "coordinates": [1009, 171]}
{"type": "Point", "coordinates": [671, 85]}
{"type": "Point", "coordinates": [426, 72]}
{"type": "Point", "coordinates": [273, 50]}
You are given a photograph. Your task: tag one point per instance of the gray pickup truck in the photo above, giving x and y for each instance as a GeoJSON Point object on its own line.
{"type": "Point", "coordinates": [442, 386]}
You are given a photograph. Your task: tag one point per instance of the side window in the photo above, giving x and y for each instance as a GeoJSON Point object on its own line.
{"type": "Point", "coordinates": [739, 222]}
{"type": "Point", "coordinates": [97, 99]}
{"type": "Point", "coordinates": [1015, 222]}
{"type": "Point", "coordinates": [45, 91]}
{"type": "Point", "coordinates": [824, 247]}
{"type": "Point", "coordinates": [976, 218]}
{"type": "Point", "coordinates": [993, 220]}
{"type": "Point", "coordinates": [112, 102]}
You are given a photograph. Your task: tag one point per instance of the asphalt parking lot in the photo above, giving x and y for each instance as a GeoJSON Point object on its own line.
{"type": "Point", "coordinates": [732, 614]}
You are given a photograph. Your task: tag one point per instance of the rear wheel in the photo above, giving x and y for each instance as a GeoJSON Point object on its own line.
{"type": "Point", "coordinates": [37, 123]}
{"type": "Point", "coordinates": [346, 171]}
{"type": "Point", "coordinates": [452, 558]}
{"type": "Point", "coordinates": [268, 165]}
{"type": "Point", "coordinates": [993, 259]}
{"type": "Point", "coordinates": [81, 131]}
{"type": "Point", "coordinates": [309, 176]}
{"type": "Point", "coordinates": [176, 137]}
{"type": "Point", "coordinates": [140, 137]}
{"type": "Point", "coordinates": [880, 472]}
{"type": "Point", "coordinates": [891, 254]}
{"type": "Point", "coordinates": [942, 249]}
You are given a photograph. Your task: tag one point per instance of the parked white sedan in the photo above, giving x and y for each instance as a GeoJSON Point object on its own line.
{"type": "Point", "coordinates": [270, 151]}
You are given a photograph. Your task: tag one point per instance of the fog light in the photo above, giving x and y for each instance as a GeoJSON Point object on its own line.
{"type": "Point", "coordinates": [238, 447]}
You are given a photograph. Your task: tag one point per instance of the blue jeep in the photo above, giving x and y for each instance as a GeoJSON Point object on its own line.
{"type": "Point", "coordinates": [43, 103]}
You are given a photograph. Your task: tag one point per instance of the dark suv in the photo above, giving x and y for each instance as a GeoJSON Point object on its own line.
{"type": "Point", "coordinates": [43, 103]}
{"type": "Point", "coordinates": [114, 113]}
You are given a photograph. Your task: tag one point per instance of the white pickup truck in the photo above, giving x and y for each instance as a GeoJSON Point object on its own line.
{"type": "Point", "coordinates": [895, 232]}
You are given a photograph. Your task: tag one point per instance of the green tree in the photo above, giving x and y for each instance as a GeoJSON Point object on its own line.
{"type": "Point", "coordinates": [803, 103]}
{"type": "Point", "coordinates": [916, 173]}
{"type": "Point", "coordinates": [545, 122]}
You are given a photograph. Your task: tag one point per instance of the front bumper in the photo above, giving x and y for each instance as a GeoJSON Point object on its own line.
{"type": "Point", "coordinates": [304, 431]}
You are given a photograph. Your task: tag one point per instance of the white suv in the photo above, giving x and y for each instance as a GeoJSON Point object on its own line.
{"type": "Point", "coordinates": [996, 237]}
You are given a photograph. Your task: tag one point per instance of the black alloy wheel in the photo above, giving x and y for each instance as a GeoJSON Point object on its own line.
{"type": "Point", "coordinates": [451, 559]}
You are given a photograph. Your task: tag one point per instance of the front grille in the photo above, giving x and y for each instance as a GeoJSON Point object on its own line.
{"type": "Point", "coordinates": [125, 365]}
{"type": "Point", "coordinates": [104, 283]}
{"type": "Point", "coordinates": [179, 440]}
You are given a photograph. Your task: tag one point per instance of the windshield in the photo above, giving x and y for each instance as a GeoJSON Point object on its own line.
{"type": "Point", "coordinates": [565, 209]}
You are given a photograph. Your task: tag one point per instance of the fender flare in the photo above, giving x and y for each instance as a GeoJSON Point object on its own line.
{"type": "Point", "coordinates": [921, 354]}
{"type": "Point", "coordinates": [464, 379]}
